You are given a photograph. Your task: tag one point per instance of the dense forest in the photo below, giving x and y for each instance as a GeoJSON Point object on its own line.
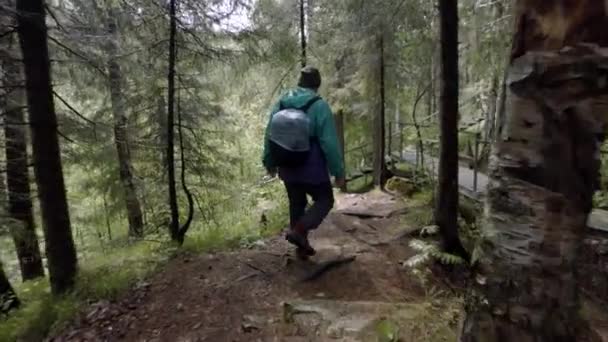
{"type": "Point", "coordinates": [132, 137]}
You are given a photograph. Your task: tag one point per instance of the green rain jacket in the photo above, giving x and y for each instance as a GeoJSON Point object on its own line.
{"type": "Point", "coordinates": [322, 127]}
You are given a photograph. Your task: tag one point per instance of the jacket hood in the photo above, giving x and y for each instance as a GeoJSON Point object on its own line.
{"type": "Point", "coordinates": [297, 97]}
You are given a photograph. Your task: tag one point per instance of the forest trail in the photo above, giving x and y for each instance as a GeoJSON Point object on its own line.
{"type": "Point", "coordinates": [258, 293]}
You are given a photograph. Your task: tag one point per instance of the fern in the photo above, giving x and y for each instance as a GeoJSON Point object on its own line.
{"type": "Point", "coordinates": [428, 251]}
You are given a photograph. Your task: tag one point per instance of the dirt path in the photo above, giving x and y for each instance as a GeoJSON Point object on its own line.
{"type": "Point", "coordinates": [241, 295]}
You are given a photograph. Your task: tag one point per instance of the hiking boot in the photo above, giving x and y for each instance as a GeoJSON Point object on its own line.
{"type": "Point", "coordinates": [301, 254]}
{"type": "Point", "coordinates": [300, 240]}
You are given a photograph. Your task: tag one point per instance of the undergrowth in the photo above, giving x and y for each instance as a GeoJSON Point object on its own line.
{"type": "Point", "coordinates": [101, 277]}
{"type": "Point", "coordinates": [107, 274]}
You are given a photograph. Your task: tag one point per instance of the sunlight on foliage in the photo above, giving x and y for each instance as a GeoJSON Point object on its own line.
{"type": "Point", "coordinates": [428, 251]}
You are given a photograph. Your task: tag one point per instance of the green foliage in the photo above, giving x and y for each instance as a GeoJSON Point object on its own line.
{"type": "Point", "coordinates": [40, 313]}
{"type": "Point", "coordinates": [427, 252]}
{"type": "Point", "coordinates": [387, 331]}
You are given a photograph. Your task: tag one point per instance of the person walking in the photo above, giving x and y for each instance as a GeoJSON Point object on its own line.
{"type": "Point", "coordinates": [302, 145]}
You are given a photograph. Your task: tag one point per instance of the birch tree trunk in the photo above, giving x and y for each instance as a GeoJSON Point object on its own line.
{"type": "Point", "coordinates": [544, 171]}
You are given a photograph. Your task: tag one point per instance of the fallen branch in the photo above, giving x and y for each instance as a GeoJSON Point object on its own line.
{"type": "Point", "coordinates": [325, 267]}
{"type": "Point", "coordinates": [254, 267]}
{"type": "Point", "coordinates": [246, 277]}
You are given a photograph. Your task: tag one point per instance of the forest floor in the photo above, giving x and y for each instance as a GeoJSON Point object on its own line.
{"type": "Point", "coordinates": [262, 293]}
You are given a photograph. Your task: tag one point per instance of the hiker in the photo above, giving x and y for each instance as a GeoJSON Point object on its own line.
{"type": "Point", "coordinates": [302, 145]}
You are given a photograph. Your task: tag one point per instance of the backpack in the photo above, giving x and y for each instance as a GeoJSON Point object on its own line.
{"type": "Point", "coordinates": [290, 138]}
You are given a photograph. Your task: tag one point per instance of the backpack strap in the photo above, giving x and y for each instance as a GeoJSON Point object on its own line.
{"type": "Point", "coordinates": [309, 104]}
{"type": "Point", "coordinates": [304, 108]}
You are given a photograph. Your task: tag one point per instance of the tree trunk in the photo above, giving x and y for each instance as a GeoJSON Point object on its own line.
{"type": "Point", "coordinates": [8, 298]}
{"type": "Point", "coordinates": [339, 118]}
{"type": "Point", "coordinates": [420, 92]}
{"type": "Point", "coordinates": [501, 110]}
{"type": "Point", "coordinates": [23, 229]}
{"type": "Point", "coordinates": [543, 174]}
{"type": "Point", "coordinates": [446, 208]}
{"type": "Point", "coordinates": [174, 225]}
{"type": "Point", "coordinates": [161, 113]}
{"type": "Point", "coordinates": [60, 250]}
{"type": "Point", "coordinates": [492, 105]}
{"type": "Point", "coordinates": [380, 170]}
{"type": "Point", "coordinates": [303, 32]}
{"type": "Point", "coordinates": [186, 226]}
{"type": "Point", "coordinates": [121, 137]}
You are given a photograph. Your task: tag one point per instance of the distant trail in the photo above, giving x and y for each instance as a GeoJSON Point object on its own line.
{"type": "Point", "coordinates": [598, 219]}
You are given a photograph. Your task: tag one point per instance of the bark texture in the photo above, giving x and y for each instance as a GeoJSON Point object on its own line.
{"type": "Point", "coordinates": [60, 251]}
{"type": "Point", "coordinates": [23, 229]}
{"type": "Point", "coordinates": [174, 225]}
{"type": "Point", "coordinates": [544, 171]}
{"type": "Point", "coordinates": [121, 136]}
{"type": "Point", "coordinates": [446, 208]}
{"type": "Point", "coordinates": [380, 170]}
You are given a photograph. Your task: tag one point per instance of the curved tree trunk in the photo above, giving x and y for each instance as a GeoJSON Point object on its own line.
{"type": "Point", "coordinates": [121, 137]}
{"type": "Point", "coordinates": [544, 172]}
{"type": "Point", "coordinates": [60, 250]}
{"type": "Point", "coordinates": [183, 230]}
{"type": "Point", "coordinates": [446, 208]}
{"type": "Point", "coordinates": [174, 225]}
{"type": "Point", "coordinates": [23, 230]}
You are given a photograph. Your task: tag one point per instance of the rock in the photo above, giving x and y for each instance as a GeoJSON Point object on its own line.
{"type": "Point", "coordinates": [429, 231]}
{"type": "Point", "coordinates": [259, 244]}
{"type": "Point", "coordinates": [179, 307]}
{"type": "Point", "coordinates": [252, 323]}
{"type": "Point", "coordinates": [347, 321]}
{"type": "Point", "coordinates": [403, 186]}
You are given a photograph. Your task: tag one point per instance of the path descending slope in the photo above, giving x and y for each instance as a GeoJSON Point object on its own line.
{"type": "Point", "coordinates": [256, 294]}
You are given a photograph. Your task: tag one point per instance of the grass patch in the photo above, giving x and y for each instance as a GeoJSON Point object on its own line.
{"type": "Point", "coordinates": [242, 224]}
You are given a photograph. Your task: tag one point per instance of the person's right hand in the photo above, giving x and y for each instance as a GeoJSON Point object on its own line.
{"type": "Point", "coordinates": [340, 182]}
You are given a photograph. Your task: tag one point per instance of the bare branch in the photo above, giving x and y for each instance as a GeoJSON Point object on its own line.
{"type": "Point", "coordinates": [52, 14]}
{"type": "Point", "coordinates": [9, 32]}
{"type": "Point", "coordinates": [75, 53]}
{"type": "Point", "coordinates": [92, 123]}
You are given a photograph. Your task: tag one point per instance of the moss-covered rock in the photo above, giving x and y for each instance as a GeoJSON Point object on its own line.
{"type": "Point", "coordinates": [402, 186]}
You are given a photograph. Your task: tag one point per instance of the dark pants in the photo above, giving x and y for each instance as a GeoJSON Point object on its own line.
{"type": "Point", "coordinates": [323, 200]}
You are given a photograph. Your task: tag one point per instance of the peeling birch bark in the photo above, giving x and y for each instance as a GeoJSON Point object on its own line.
{"type": "Point", "coordinates": [544, 171]}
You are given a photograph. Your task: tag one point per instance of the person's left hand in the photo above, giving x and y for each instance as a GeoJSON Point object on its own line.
{"type": "Point", "coordinates": [272, 172]}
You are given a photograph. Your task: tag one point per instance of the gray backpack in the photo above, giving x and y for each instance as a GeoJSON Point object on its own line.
{"type": "Point", "coordinates": [290, 135]}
